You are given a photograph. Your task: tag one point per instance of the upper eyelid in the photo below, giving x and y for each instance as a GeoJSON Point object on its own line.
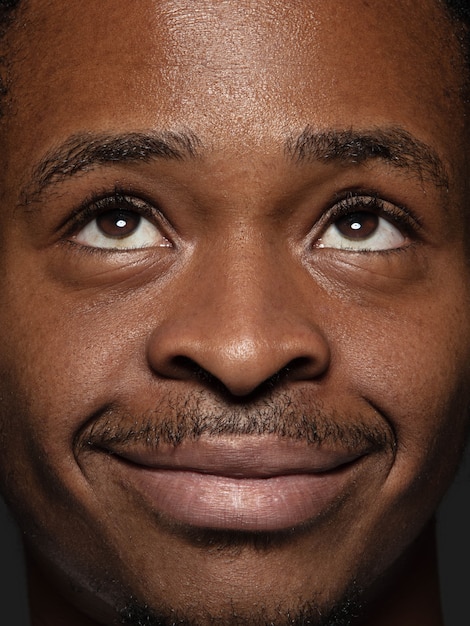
{"type": "Point", "coordinates": [368, 200]}
{"type": "Point", "coordinates": [379, 204]}
{"type": "Point", "coordinates": [98, 203]}
{"type": "Point", "coordinates": [350, 201]}
{"type": "Point", "coordinates": [128, 203]}
{"type": "Point", "coordinates": [107, 200]}
{"type": "Point", "coordinates": [341, 204]}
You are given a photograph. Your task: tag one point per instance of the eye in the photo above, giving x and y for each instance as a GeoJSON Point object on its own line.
{"type": "Point", "coordinates": [364, 225]}
{"type": "Point", "coordinates": [117, 223]}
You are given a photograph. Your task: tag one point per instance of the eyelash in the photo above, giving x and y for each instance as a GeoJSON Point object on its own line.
{"type": "Point", "coordinates": [358, 202]}
{"type": "Point", "coordinates": [353, 202]}
{"type": "Point", "coordinates": [98, 203]}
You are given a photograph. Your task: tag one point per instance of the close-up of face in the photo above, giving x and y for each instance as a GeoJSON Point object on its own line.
{"type": "Point", "coordinates": [234, 304]}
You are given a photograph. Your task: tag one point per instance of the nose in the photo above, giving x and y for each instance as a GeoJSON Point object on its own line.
{"type": "Point", "coordinates": [240, 330]}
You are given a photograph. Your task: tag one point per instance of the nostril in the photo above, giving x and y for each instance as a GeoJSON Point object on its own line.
{"type": "Point", "coordinates": [186, 368]}
{"type": "Point", "coordinates": [239, 364]}
{"type": "Point", "coordinates": [295, 369]}
{"type": "Point", "coordinates": [304, 367]}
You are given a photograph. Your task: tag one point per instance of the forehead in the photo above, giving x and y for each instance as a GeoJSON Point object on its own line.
{"type": "Point", "coordinates": [244, 70]}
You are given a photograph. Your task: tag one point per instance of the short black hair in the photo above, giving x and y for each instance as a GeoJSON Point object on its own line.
{"type": "Point", "coordinates": [459, 9]}
{"type": "Point", "coordinates": [7, 8]}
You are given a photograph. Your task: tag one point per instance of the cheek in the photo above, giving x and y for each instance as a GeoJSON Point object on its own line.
{"type": "Point", "coordinates": [55, 368]}
{"type": "Point", "coordinates": [54, 372]}
{"type": "Point", "coordinates": [416, 371]}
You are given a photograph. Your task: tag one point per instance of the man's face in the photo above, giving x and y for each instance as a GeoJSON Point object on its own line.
{"type": "Point", "coordinates": [234, 297]}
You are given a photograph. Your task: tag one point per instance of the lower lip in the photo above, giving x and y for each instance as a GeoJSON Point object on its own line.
{"type": "Point", "coordinates": [245, 504]}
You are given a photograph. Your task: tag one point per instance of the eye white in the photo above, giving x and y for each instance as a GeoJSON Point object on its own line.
{"type": "Point", "coordinates": [121, 230]}
{"type": "Point", "coordinates": [362, 231]}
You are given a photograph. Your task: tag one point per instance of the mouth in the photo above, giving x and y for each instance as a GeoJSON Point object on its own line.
{"type": "Point", "coordinates": [242, 483]}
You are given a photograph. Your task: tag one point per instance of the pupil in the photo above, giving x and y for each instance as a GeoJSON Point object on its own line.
{"type": "Point", "coordinates": [358, 225]}
{"type": "Point", "coordinates": [118, 224]}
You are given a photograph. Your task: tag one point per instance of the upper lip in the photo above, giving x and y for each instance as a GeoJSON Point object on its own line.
{"type": "Point", "coordinates": [243, 456]}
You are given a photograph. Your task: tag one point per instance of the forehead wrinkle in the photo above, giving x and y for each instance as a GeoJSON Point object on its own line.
{"type": "Point", "coordinates": [394, 145]}
{"type": "Point", "coordinates": [82, 152]}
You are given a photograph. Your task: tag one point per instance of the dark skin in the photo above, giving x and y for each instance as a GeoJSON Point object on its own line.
{"type": "Point", "coordinates": [240, 229]}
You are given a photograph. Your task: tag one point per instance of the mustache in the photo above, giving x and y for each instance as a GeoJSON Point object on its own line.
{"type": "Point", "coordinates": [178, 419]}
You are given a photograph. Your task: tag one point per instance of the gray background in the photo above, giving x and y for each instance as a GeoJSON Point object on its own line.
{"type": "Point", "coordinates": [454, 553]}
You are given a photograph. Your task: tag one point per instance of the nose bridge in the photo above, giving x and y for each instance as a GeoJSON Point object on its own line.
{"type": "Point", "coordinates": [246, 287]}
{"type": "Point", "coordinates": [242, 320]}
{"type": "Point", "coordinates": [247, 297]}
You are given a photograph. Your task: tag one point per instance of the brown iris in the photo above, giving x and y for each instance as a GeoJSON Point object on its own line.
{"type": "Point", "coordinates": [360, 225]}
{"type": "Point", "coordinates": [118, 224]}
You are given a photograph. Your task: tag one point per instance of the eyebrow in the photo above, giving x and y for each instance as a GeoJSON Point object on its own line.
{"type": "Point", "coordinates": [83, 152]}
{"type": "Point", "coordinates": [394, 145]}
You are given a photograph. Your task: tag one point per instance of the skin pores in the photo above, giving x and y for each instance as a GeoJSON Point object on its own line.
{"type": "Point", "coordinates": [239, 228]}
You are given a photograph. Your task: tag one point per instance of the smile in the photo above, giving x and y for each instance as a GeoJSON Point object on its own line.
{"type": "Point", "coordinates": [246, 483]}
